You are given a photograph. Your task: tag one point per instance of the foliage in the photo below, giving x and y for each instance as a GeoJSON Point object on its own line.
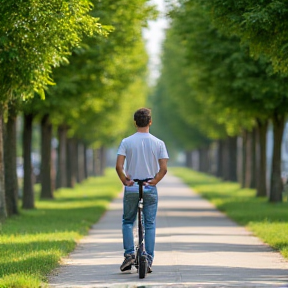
{"type": "Point", "coordinates": [261, 25]}
{"type": "Point", "coordinates": [91, 91]}
{"type": "Point", "coordinates": [210, 80]}
{"type": "Point", "coordinates": [214, 84]}
{"type": "Point", "coordinates": [173, 120]}
{"type": "Point", "coordinates": [33, 242]}
{"type": "Point", "coordinates": [37, 36]}
{"type": "Point", "coordinates": [234, 87]}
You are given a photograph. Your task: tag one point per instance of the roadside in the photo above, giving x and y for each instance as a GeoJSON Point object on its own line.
{"type": "Point", "coordinates": [197, 246]}
{"type": "Point", "coordinates": [33, 242]}
{"type": "Point", "coordinates": [268, 221]}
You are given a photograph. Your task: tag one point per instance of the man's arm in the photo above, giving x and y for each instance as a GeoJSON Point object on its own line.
{"type": "Point", "coordinates": [162, 172]}
{"type": "Point", "coordinates": [120, 171]}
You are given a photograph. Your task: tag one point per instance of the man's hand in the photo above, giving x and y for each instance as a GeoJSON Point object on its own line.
{"type": "Point", "coordinates": [128, 182]}
{"type": "Point", "coordinates": [160, 174]}
{"type": "Point", "coordinates": [151, 182]}
{"type": "Point", "coordinates": [120, 171]}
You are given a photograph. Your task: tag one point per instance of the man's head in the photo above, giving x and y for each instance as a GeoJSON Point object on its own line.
{"type": "Point", "coordinates": [142, 117]}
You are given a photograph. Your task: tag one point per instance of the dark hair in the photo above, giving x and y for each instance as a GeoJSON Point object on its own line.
{"type": "Point", "coordinates": [142, 117]}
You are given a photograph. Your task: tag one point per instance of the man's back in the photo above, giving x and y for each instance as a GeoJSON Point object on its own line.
{"type": "Point", "coordinates": [142, 152]}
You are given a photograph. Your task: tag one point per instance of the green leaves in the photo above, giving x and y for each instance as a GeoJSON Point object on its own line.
{"type": "Point", "coordinates": [262, 25]}
{"type": "Point", "coordinates": [94, 90]}
{"type": "Point", "coordinates": [208, 76]}
{"type": "Point", "coordinates": [37, 36]}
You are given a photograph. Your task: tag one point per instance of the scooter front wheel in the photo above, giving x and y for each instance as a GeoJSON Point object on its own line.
{"type": "Point", "coordinates": [142, 266]}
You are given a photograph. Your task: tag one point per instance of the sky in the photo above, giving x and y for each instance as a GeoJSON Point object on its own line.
{"type": "Point", "coordinates": [154, 36]}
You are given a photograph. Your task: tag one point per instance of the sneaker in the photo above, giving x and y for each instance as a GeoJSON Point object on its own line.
{"type": "Point", "coordinates": [128, 261]}
{"type": "Point", "coordinates": [126, 268]}
{"type": "Point", "coordinates": [149, 269]}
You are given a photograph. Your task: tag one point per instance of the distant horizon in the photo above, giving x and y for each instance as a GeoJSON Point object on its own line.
{"type": "Point", "coordinates": [154, 36]}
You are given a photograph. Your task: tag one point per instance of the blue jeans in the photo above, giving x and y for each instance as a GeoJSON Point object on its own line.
{"type": "Point", "coordinates": [130, 205]}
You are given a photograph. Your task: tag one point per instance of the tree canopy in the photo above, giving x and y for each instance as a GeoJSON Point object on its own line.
{"type": "Point", "coordinates": [261, 25]}
{"type": "Point", "coordinates": [211, 80]}
{"type": "Point", "coordinates": [37, 36]}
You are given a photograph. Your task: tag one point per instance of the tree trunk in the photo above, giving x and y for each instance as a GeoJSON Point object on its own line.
{"type": "Point", "coordinates": [213, 151]}
{"type": "Point", "coordinates": [62, 154]}
{"type": "Point", "coordinates": [86, 170]}
{"type": "Point", "coordinates": [95, 162]}
{"type": "Point", "coordinates": [207, 161]}
{"type": "Point", "coordinates": [201, 159]}
{"type": "Point", "coordinates": [276, 187]}
{"type": "Point", "coordinates": [204, 159]}
{"type": "Point", "coordinates": [248, 160]}
{"type": "Point", "coordinates": [239, 158]}
{"type": "Point", "coordinates": [244, 150]}
{"type": "Point", "coordinates": [219, 161]}
{"type": "Point", "coordinates": [261, 162]}
{"type": "Point", "coordinates": [77, 162]}
{"type": "Point", "coordinates": [195, 160]}
{"type": "Point", "coordinates": [253, 159]}
{"type": "Point", "coordinates": [28, 191]}
{"type": "Point", "coordinates": [81, 162]}
{"type": "Point", "coordinates": [3, 211]}
{"type": "Point", "coordinates": [102, 160]}
{"type": "Point", "coordinates": [232, 159]}
{"type": "Point", "coordinates": [11, 180]}
{"type": "Point", "coordinates": [54, 164]}
{"type": "Point", "coordinates": [188, 162]}
{"type": "Point", "coordinates": [71, 163]}
{"type": "Point", "coordinates": [225, 160]}
{"type": "Point", "coordinates": [46, 137]}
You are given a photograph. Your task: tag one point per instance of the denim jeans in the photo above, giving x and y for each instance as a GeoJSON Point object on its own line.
{"type": "Point", "coordinates": [130, 205]}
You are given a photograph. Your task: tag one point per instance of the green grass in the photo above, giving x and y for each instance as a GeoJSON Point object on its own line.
{"type": "Point", "coordinates": [267, 221]}
{"type": "Point", "coordinates": [32, 244]}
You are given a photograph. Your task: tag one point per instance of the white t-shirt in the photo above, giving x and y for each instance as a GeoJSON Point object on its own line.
{"type": "Point", "coordinates": [142, 151]}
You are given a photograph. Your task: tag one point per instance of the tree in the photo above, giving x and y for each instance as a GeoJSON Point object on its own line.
{"type": "Point", "coordinates": [91, 90]}
{"type": "Point", "coordinates": [28, 190]}
{"type": "Point", "coordinates": [171, 120]}
{"type": "Point", "coordinates": [36, 37]}
{"type": "Point", "coordinates": [11, 181]}
{"type": "Point", "coordinates": [91, 87]}
{"type": "Point", "coordinates": [225, 82]}
{"type": "Point", "coordinates": [261, 25]}
{"type": "Point", "coordinates": [3, 211]}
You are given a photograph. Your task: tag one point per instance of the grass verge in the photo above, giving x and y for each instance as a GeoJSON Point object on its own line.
{"type": "Point", "coordinates": [32, 244]}
{"type": "Point", "coordinates": [267, 221]}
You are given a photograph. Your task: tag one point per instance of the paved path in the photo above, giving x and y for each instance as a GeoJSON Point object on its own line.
{"type": "Point", "coordinates": [196, 246]}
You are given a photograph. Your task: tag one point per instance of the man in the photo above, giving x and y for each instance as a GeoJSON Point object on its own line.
{"type": "Point", "coordinates": [146, 157]}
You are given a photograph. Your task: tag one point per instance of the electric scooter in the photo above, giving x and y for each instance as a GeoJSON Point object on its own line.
{"type": "Point", "coordinates": [141, 262]}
